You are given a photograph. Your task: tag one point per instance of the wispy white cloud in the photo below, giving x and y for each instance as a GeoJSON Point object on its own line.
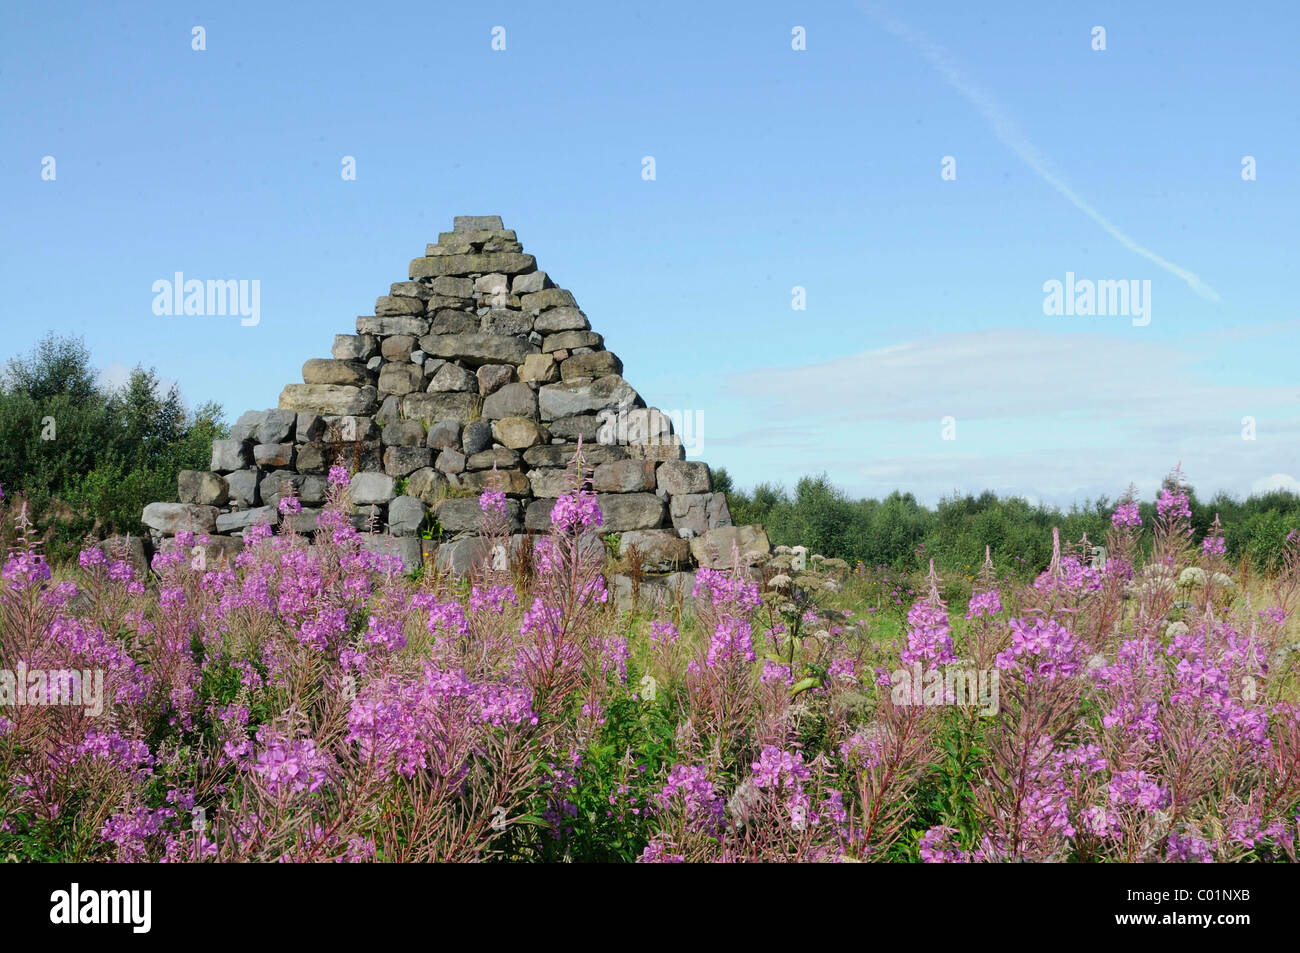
{"type": "Point", "coordinates": [1010, 135]}
{"type": "Point", "coordinates": [1057, 416]}
{"type": "Point", "coordinates": [1276, 481]}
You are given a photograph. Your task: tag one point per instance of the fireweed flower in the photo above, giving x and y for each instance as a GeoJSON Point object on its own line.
{"type": "Point", "coordinates": [938, 847]}
{"type": "Point", "coordinates": [1042, 649]}
{"type": "Point", "coordinates": [861, 751]}
{"type": "Point", "coordinates": [25, 568]}
{"type": "Point", "coordinates": [775, 673]}
{"type": "Point", "coordinates": [929, 637]}
{"type": "Point", "coordinates": [842, 670]}
{"type": "Point", "coordinates": [984, 603]}
{"type": "Point", "coordinates": [663, 633]}
{"type": "Point", "coordinates": [776, 768]}
{"type": "Point", "coordinates": [291, 766]}
{"type": "Point", "coordinates": [1214, 546]}
{"type": "Point", "coordinates": [290, 504]}
{"type": "Point", "coordinates": [1189, 848]}
{"type": "Point", "coordinates": [1173, 503]}
{"type": "Point", "coordinates": [493, 598]}
{"type": "Point", "coordinates": [657, 853]}
{"type": "Point", "coordinates": [492, 501]}
{"type": "Point", "coordinates": [1126, 514]}
{"type": "Point", "coordinates": [1274, 614]}
{"type": "Point", "coordinates": [576, 512]}
{"type": "Point", "coordinates": [339, 476]}
{"type": "Point", "coordinates": [92, 558]}
{"type": "Point", "coordinates": [1139, 789]}
{"type": "Point", "coordinates": [689, 788]}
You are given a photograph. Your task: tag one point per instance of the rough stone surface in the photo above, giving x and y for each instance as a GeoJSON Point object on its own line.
{"type": "Point", "coordinates": [329, 399]}
{"type": "Point", "coordinates": [586, 426]}
{"type": "Point", "coordinates": [466, 516]}
{"type": "Point", "coordinates": [230, 455]}
{"type": "Point", "coordinates": [443, 434]}
{"type": "Point", "coordinates": [451, 461]}
{"type": "Point", "coordinates": [659, 550]}
{"type": "Point", "coordinates": [240, 520]}
{"type": "Point", "coordinates": [242, 487]}
{"type": "Point", "coordinates": [371, 488]}
{"type": "Point", "coordinates": [513, 400]}
{"type": "Point", "coordinates": [517, 433]}
{"type": "Point", "coordinates": [508, 264]}
{"type": "Point", "coordinates": [699, 512]}
{"type": "Point", "coordinates": [477, 348]}
{"type": "Point", "coordinates": [492, 377]}
{"type": "Point", "coordinates": [500, 457]}
{"type": "Point", "coordinates": [384, 325]}
{"type": "Point", "coordinates": [404, 433]}
{"type": "Point", "coordinates": [273, 455]}
{"type": "Point", "coordinates": [453, 377]}
{"type": "Point", "coordinates": [568, 340]}
{"type": "Point", "coordinates": [322, 371]}
{"type": "Point", "coordinates": [453, 321]}
{"type": "Point", "coordinates": [203, 488]}
{"type": "Point", "coordinates": [400, 461]}
{"type": "Point", "coordinates": [539, 367]}
{"type": "Point", "coordinates": [627, 511]}
{"type": "Point", "coordinates": [717, 548]}
{"type": "Point", "coordinates": [550, 481]}
{"type": "Point", "coordinates": [400, 379]}
{"type": "Point", "coordinates": [594, 364]}
{"type": "Point", "coordinates": [561, 319]}
{"type": "Point", "coordinates": [561, 455]}
{"type": "Point", "coordinates": [460, 407]}
{"type": "Point", "coordinates": [354, 347]}
{"type": "Point", "coordinates": [684, 477]}
{"type": "Point", "coordinates": [624, 476]}
{"type": "Point", "coordinates": [245, 428]}
{"type": "Point", "coordinates": [507, 322]}
{"type": "Point", "coordinates": [584, 397]}
{"type": "Point", "coordinates": [405, 515]}
{"type": "Point", "coordinates": [476, 437]}
{"type": "Point", "coordinates": [173, 518]}
{"type": "Point", "coordinates": [427, 484]}
{"type": "Point", "coordinates": [397, 348]}
{"type": "Point", "coordinates": [510, 482]}
{"type": "Point", "coordinates": [278, 484]}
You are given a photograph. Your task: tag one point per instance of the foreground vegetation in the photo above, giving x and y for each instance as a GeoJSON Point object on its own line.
{"type": "Point", "coordinates": [312, 703]}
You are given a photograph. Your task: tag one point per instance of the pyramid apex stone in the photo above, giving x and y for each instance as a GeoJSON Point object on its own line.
{"type": "Point", "coordinates": [477, 223]}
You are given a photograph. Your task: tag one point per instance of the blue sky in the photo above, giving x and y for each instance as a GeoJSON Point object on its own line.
{"type": "Point", "coordinates": [775, 168]}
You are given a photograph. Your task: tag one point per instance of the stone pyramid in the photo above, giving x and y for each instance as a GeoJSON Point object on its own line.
{"type": "Point", "coordinates": [476, 373]}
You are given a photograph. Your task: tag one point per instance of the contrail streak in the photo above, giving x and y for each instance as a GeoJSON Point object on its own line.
{"type": "Point", "coordinates": [1004, 127]}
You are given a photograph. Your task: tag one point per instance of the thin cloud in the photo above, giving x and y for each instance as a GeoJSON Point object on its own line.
{"type": "Point", "coordinates": [1009, 134]}
{"type": "Point", "coordinates": [1056, 416]}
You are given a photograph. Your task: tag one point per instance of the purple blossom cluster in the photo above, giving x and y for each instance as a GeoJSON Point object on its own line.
{"type": "Point", "coordinates": [1041, 650]}
{"type": "Point", "coordinates": [929, 636]}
